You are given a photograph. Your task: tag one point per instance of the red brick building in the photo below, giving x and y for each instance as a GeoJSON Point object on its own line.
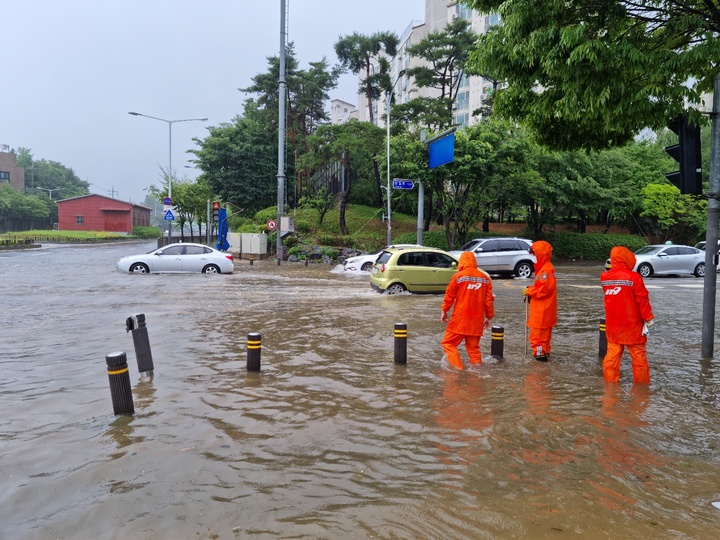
{"type": "Point", "coordinates": [98, 213]}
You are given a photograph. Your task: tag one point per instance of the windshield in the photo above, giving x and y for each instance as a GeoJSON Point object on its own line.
{"type": "Point", "coordinates": [472, 244]}
{"type": "Point", "coordinates": [648, 250]}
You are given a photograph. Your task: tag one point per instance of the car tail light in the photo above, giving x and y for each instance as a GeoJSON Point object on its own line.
{"type": "Point", "coordinates": [382, 268]}
{"type": "Point", "coordinates": [229, 256]}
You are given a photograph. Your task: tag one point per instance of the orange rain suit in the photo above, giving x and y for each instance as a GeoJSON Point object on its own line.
{"type": "Point", "coordinates": [627, 309]}
{"type": "Point", "coordinates": [470, 292]}
{"type": "Point", "coordinates": [542, 296]}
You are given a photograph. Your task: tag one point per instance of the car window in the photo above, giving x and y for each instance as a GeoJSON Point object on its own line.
{"type": "Point", "coordinates": [507, 245]}
{"type": "Point", "coordinates": [194, 250]}
{"type": "Point", "coordinates": [522, 246]}
{"type": "Point", "coordinates": [671, 251]}
{"type": "Point", "coordinates": [686, 250]}
{"type": "Point", "coordinates": [469, 246]}
{"type": "Point", "coordinates": [647, 250]}
{"type": "Point", "coordinates": [173, 250]}
{"type": "Point", "coordinates": [412, 259]}
{"type": "Point", "coordinates": [384, 257]}
{"type": "Point", "coordinates": [490, 245]}
{"type": "Point", "coordinates": [439, 260]}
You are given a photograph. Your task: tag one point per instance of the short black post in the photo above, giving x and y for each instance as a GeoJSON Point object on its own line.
{"type": "Point", "coordinates": [306, 261]}
{"type": "Point", "coordinates": [497, 343]}
{"type": "Point", "coordinates": [602, 341]}
{"type": "Point", "coordinates": [254, 343]}
{"type": "Point", "coordinates": [120, 389]}
{"type": "Point", "coordinates": [251, 260]}
{"type": "Point", "coordinates": [401, 343]}
{"type": "Point", "coordinates": [141, 341]}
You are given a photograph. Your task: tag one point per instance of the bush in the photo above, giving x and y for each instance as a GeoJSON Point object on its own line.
{"type": "Point", "coordinates": [146, 232]}
{"type": "Point", "coordinates": [592, 247]}
{"type": "Point", "coordinates": [435, 239]}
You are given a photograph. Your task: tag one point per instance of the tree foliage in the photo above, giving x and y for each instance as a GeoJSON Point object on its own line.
{"type": "Point", "coordinates": [591, 74]}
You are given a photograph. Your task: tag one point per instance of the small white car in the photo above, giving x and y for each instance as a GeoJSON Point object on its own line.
{"type": "Point", "coordinates": [175, 258]}
{"type": "Point", "coordinates": [364, 262]}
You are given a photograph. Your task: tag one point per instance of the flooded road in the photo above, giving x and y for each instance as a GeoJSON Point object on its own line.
{"type": "Point", "coordinates": [332, 439]}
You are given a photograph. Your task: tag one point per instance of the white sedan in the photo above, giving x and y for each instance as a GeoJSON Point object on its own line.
{"type": "Point", "coordinates": [363, 263]}
{"type": "Point", "coordinates": [663, 259]}
{"type": "Point", "coordinates": [182, 257]}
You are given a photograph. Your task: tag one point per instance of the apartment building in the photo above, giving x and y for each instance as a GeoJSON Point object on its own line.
{"type": "Point", "coordinates": [471, 90]}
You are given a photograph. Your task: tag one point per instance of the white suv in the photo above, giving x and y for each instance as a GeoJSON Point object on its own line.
{"type": "Point", "coordinates": [501, 255]}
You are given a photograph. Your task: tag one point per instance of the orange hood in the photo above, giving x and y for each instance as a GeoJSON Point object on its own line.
{"type": "Point", "coordinates": [543, 252]}
{"type": "Point", "coordinates": [622, 257]}
{"type": "Point", "coordinates": [467, 260]}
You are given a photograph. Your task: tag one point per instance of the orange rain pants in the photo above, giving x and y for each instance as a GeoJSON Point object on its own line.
{"type": "Point", "coordinates": [450, 343]}
{"type": "Point", "coordinates": [638, 357]}
{"type": "Point", "coordinates": [540, 340]}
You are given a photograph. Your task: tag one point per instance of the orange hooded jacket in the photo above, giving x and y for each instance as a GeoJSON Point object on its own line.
{"type": "Point", "coordinates": [543, 307]}
{"type": "Point", "coordinates": [627, 303]}
{"type": "Point", "coordinates": [470, 290]}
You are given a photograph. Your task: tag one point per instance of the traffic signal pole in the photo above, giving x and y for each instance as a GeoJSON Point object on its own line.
{"type": "Point", "coordinates": [711, 237]}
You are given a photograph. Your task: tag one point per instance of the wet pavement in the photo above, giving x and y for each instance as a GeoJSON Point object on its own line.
{"type": "Point", "coordinates": [332, 439]}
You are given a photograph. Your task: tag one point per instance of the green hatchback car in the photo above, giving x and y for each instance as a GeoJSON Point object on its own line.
{"type": "Point", "coordinates": [413, 269]}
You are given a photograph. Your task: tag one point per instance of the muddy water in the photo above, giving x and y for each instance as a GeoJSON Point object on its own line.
{"type": "Point", "coordinates": [332, 439]}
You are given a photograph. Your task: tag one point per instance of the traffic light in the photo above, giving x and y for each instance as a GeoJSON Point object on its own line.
{"type": "Point", "coordinates": [687, 153]}
{"type": "Point", "coordinates": [216, 211]}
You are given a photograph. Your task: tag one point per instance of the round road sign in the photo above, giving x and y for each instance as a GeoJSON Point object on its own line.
{"type": "Point", "coordinates": [271, 224]}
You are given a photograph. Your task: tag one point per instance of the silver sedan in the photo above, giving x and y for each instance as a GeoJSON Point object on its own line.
{"type": "Point", "coordinates": [666, 259]}
{"type": "Point", "coordinates": [183, 257]}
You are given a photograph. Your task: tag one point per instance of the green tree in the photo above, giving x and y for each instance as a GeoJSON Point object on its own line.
{"type": "Point", "coordinates": [589, 74]}
{"type": "Point", "coordinates": [363, 53]}
{"type": "Point", "coordinates": [19, 211]}
{"type": "Point", "coordinates": [675, 217]}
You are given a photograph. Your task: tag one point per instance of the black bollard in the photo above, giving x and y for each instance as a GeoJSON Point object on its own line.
{"type": "Point", "coordinates": [254, 342]}
{"type": "Point", "coordinates": [401, 343]}
{"type": "Point", "coordinates": [119, 377]}
{"type": "Point", "coordinates": [602, 341]}
{"type": "Point", "coordinates": [141, 341]}
{"type": "Point", "coordinates": [306, 262]}
{"type": "Point", "coordinates": [251, 260]}
{"type": "Point", "coordinates": [497, 343]}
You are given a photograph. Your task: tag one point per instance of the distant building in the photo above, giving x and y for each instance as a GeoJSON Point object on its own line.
{"type": "Point", "coordinates": [99, 213]}
{"type": "Point", "coordinates": [342, 111]}
{"type": "Point", "coordinates": [10, 173]}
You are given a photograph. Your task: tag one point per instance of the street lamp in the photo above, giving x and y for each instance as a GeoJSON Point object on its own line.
{"type": "Point", "coordinates": [388, 98]}
{"type": "Point", "coordinates": [50, 191]}
{"type": "Point", "coordinates": [169, 123]}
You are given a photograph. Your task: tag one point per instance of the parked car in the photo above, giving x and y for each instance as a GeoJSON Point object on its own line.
{"type": "Point", "coordinates": [701, 245]}
{"type": "Point", "coordinates": [508, 256]}
{"type": "Point", "coordinates": [664, 259]}
{"type": "Point", "coordinates": [364, 262]}
{"type": "Point", "coordinates": [184, 257]}
{"type": "Point", "coordinates": [413, 269]}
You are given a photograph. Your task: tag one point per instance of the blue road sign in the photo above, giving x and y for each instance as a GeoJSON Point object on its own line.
{"type": "Point", "coordinates": [169, 216]}
{"type": "Point", "coordinates": [167, 201]}
{"type": "Point", "coordinates": [399, 183]}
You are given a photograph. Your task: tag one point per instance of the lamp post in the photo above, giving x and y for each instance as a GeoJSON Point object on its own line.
{"type": "Point", "coordinates": [388, 98]}
{"type": "Point", "coordinates": [169, 123]}
{"type": "Point", "coordinates": [50, 191]}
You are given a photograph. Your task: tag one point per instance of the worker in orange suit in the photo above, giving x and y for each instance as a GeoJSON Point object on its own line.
{"type": "Point", "coordinates": [470, 296]}
{"type": "Point", "coordinates": [628, 316]}
{"type": "Point", "coordinates": [542, 296]}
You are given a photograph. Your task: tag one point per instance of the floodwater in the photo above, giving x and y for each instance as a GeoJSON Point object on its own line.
{"type": "Point", "coordinates": [332, 439]}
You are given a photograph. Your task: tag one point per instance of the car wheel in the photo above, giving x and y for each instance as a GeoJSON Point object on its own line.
{"type": "Point", "coordinates": [211, 269]}
{"type": "Point", "coordinates": [700, 270]}
{"type": "Point", "coordinates": [396, 288]}
{"type": "Point", "coordinates": [366, 267]}
{"type": "Point", "coordinates": [645, 270]}
{"type": "Point", "coordinates": [524, 269]}
{"type": "Point", "coordinates": [139, 268]}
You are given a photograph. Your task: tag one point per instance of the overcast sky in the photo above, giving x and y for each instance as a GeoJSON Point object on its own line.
{"type": "Point", "coordinates": [72, 71]}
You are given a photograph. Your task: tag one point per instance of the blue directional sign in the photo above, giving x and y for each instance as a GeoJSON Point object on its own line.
{"type": "Point", "coordinates": [169, 216]}
{"type": "Point", "coordinates": [399, 183]}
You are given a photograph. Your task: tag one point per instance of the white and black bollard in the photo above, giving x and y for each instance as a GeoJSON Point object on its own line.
{"type": "Point", "coordinates": [497, 342]}
{"type": "Point", "coordinates": [602, 340]}
{"type": "Point", "coordinates": [120, 389]}
{"type": "Point", "coordinates": [141, 341]}
{"type": "Point", "coordinates": [254, 347]}
{"type": "Point", "coordinates": [401, 343]}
